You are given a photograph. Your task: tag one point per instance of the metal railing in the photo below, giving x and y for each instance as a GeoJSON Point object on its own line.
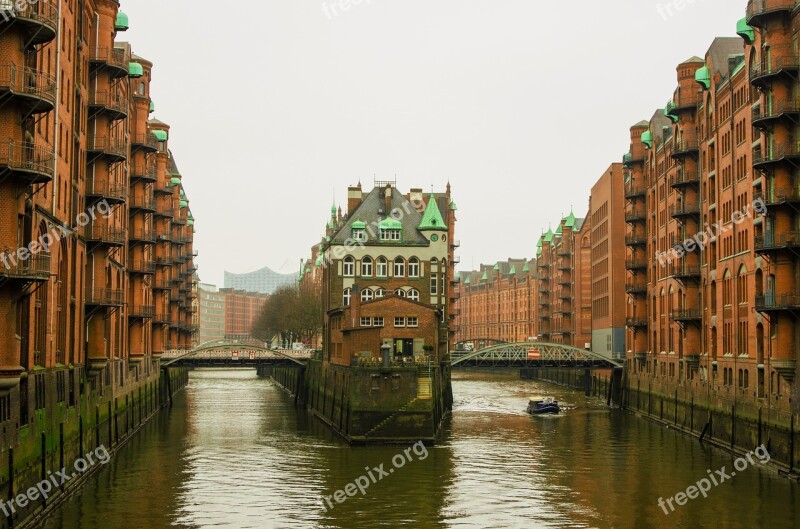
{"type": "Point", "coordinates": [145, 140]}
{"type": "Point", "coordinates": [761, 7]}
{"type": "Point", "coordinates": [789, 300]}
{"type": "Point", "coordinates": [34, 267]}
{"type": "Point", "coordinates": [105, 296]}
{"type": "Point", "coordinates": [761, 156]}
{"type": "Point", "coordinates": [28, 81]}
{"type": "Point", "coordinates": [685, 208]}
{"type": "Point", "coordinates": [784, 106]}
{"type": "Point", "coordinates": [41, 11]}
{"type": "Point", "coordinates": [145, 171]}
{"type": "Point", "coordinates": [110, 101]}
{"type": "Point", "coordinates": [106, 190]}
{"type": "Point", "coordinates": [104, 234]}
{"type": "Point", "coordinates": [106, 145]}
{"type": "Point", "coordinates": [116, 57]}
{"type": "Point", "coordinates": [686, 315]}
{"type": "Point", "coordinates": [779, 59]}
{"type": "Point", "coordinates": [28, 156]}
{"type": "Point", "coordinates": [788, 239]}
{"type": "Point", "coordinates": [685, 177]}
{"type": "Point", "coordinates": [778, 196]}
{"type": "Point", "coordinates": [142, 311]}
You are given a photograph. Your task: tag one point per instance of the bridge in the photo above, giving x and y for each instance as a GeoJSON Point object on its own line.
{"type": "Point", "coordinates": [533, 354]}
{"type": "Point", "coordinates": [225, 353]}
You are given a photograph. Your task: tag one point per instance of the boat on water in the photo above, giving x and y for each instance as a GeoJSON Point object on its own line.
{"type": "Point", "coordinates": [541, 405]}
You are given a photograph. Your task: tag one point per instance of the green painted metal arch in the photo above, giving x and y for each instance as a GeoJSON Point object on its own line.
{"type": "Point", "coordinates": [225, 345]}
{"type": "Point", "coordinates": [548, 352]}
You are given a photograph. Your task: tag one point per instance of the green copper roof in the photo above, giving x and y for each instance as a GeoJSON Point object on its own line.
{"type": "Point", "coordinates": [358, 225]}
{"type": "Point", "coordinates": [570, 220]}
{"type": "Point", "coordinates": [135, 70]}
{"type": "Point", "coordinates": [548, 237]}
{"type": "Point", "coordinates": [390, 224]}
{"type": "Point", "coordinates": [670, 111]}
{"type": "Point", "coordinates": [703, 76]}
{"type": "Point", "coordinates": [559, 230]}
{"type": "Point", "coordinates": [453, 206]}
{"type": "Point", "coordinates": [319, 260]}
{"type": "Point", "coordinates": [647, 139]}
{"type": "Point", "coordinates": [526, 268]}
{"type": "Point", "coordinates": [122, 22]}
{"type": "Point", "coordinates": [485, 276]}
{"type": "Point", "coordinates": [184, 203]}
{"type": "Point", "coordinates": [333, 208]}
{"type": "Point", "coordinates": [175, 180]}
{"type": "Point", "coordinates": [513, 270]}
{"type": "Point", "coordinates": [466, 281]}
{"type": "Point", "coordinates": [161, 135]}
{"type": "Point", "coordinates": [152, 107]}
{"type": "Point", "coordinates": [745, 31]}
{"type": "Point", "coordinates": [539, 244]}
{"type": "Point", "coordinates": [190, 222]}
{"type": "Point", "coordinates": [432, 219]}
{"type": "Point", "coordinates": [496, 267]}
{"type": "Point", "coordinates": [458, 276]}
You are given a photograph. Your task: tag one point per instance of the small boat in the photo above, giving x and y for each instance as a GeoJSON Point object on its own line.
{"type": "Point", "coordinates": [540, 405]}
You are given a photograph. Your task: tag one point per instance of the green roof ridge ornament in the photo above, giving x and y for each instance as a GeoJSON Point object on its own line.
{"type": "Point", "coordinates": [432, 218]}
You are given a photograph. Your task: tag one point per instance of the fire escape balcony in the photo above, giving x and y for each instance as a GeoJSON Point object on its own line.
{"type": "Point", "coordinates": [774, 242]}
{"type": "Point", "coordinates": [685, 209]}
{"type": "Point", "coordinates": [635, 213]}
{"type": "Point", "coordinates": [34, 269]}
{"type": "Point", "coordinates": [781, 62]}
{"type": "Point", "coordinates": [636, 322]}
{"type": "Point", "coordinates": [162, 285]}
{"type": "Point", "coordinates": [34, 91]}
{"type": "Point", "coordinates": [685, 178]}
{"type": "Point", "coordinates": [785, 109]}
{"type": "Point", "coordinates": [162, 318]}
{"type": "Point", "coordinates": [166, 189]}
{"type": "Point", "coordinates": [634, 191]}
{"type": "Point", "coordinates": [114, 149]}
{"type": "Point", "coordinates": [759, 10]}
{"type": "Point", "coordinates": [770, 302]}
{"type": "Point", "coordinates": [635, 287]}
{"type": "Point", "coordinates": [633, 158]}
{"type": "Point", "coordinates": [636, 239]}
{"type": "Point", "coordinates": [687, 316]}
{"type": "Point", "coordinates": [146, 142]}
{"type": "Point", "coordinates": [779, 197]}
{"type": "Point", "coordinates": [686, 146]}
{"type": "Point", "coordinates": [164, 210]}
{"type": "Point", "coordinates": [635, 264]}
{"type": "Point", "coordinates": [145, 172]}
{"type": "Point", "coordinates": [114, 106]}
{"type": "Point", "coordinates": [685, 100]}
{"type": "Point", "coordinates": [142, 312]}
{"type": "Point", "coordinates": [105, 297]}
{"type": "Point", "coordinates": [39, 19]}
{"type": "Point", "coordinates": [116, 60]}
{"type": "Point", "coordinates": [683, 271]}
{"type": "Point", "coordinates": [102, 235]}
{"type": "Point", "coordinates": [32, 163]}
{"type": "Point", "coordinates": [111, 192]}
{"type": "Point", "coordinates": [142, 235]}
{"type": "Point", "coordinates": [763, 158]}
{"type": "Point", "coordinates": [142, 266]}
{"type": "Point", "coordinates": [142, 203]}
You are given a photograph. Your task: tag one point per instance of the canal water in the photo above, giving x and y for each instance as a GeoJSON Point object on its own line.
{"type": "Point", "coordinates": [235, 452]}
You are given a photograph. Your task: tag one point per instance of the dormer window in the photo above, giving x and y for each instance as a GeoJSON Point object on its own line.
{"type": "Point", "coordinates": [390, 229]}
{"type": "Point", "coordinates": [390, 235]}
{"type": "Point", "coordinates": [358, 231]}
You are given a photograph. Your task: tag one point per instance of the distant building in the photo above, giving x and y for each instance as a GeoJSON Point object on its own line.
{"type": "Point", "coordinates": [241, 310]}
{"type": "Point", "coordinates": [264, 281]}
{"type": "Point", "coordinates": [212, 313]}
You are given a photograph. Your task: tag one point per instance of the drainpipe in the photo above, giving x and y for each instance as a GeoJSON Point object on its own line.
{"type": "Point", "coordinates": [57, 118]}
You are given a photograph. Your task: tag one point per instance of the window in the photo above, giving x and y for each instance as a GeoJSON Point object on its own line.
{"type": "Point", "coordinates": [413, 322]}
{"type": "Point", "coordinates": [434, 285]}
{"type": "Point", "coordinates": [413, 294]}
{"type": "Point", "coordinates": [399, 267]}
{"type": "Point", "coordinates": [348, 293]}
{"type": "Point", "coordinates": [349, 266]}
{"type": "Point", "coordinates": [390, 235]}
{"type": "Point", "coordinates": [366, 321]}
{"type": "Point", "coordinates": [400, 293]}
{"type": "Point", "coordinates": [366, 267]}
{"type": "Point", "coordinates": [413, 267]}
{"type": "Point", "coordinates": [379, 293]}
{"type": "Point", "coordinates": [377, 321]}
{"type": "Point", "coordinates": [359, 234]}
{"type": "Point", "coordinates": [382, 267]}
{"type": "Point", "coordinates": [367, 295]}
{"type": "Point", "coordinates": [399, 322]}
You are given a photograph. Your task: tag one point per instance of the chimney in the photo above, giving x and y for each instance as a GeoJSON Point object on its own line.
{"type": "Point", "coordinates": [388, 200]}
{"type": "Point", "coordinates": [354, 198]}
{"type": "Point", "coordinates": [416, 198]}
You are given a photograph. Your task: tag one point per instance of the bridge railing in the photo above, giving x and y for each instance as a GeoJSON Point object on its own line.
{"type": "Point", "coordinates": [237, 354]}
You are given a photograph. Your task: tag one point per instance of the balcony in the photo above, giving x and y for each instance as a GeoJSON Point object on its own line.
{"type": "Point", "coordinates": [30, 162]}
{"type": "Point", "coordinates": [164, 210]}
{"type": "Point", "coordinates": [115, 60]}
{"type": "Point", "coordinates": [780, 302]}
{"type": "Point", "coordinates": [39, 19]}
{"type": "Point", "coordinates": [787, 108]}
{"type": "Point", "coordinates": [36, 268]}
{"type": "Point", "coordinates": [685, 178]}
{"type": "Point", "coordinates": [142, 235]}
{"type": "Point", "coordinates": [636, 322]}
{"type": "Point", "coordinates": [687, 316]}
{"type": "Point", "coordinates": [455, 244]}
{"type": "Point", "coordinates": [112, 105]}
{"type": "Point", "coordinates": [685, 209]}
{"type": "Point", "coordinates": [632, 158]}
{"type": "Point", "coordinates": [565, 280]}
{"type": "Point", "coordinates": [146, 312]}
{"type": "Point", "coordinates": [163, 261]}
{"type": "Point", "coordinates": [105, 297]}
{"type": "Point", "coordinates": [636, 239]}
{"type": "Point", "coordinates": [781, 62]}
{"type": "Point", "coordinates": [162, 319]}
{"type": "Point", "coordinates": [635, 213]}
{"type": "Point", "coordinates": [112, 148]}
{"type": "Point", "coordinates": [685, 100]}
{"type": "Point", "coordinates": [759, 10]}
{"type": "Point", "coordinates": [142, 203]}
{"type": "Point", "coordinates": [146, 142]}
{"type": "Point", "coordinates": [687, 146]}
{"type": "Point", "coordinates": [683, 271]}
{"type": "Point", "coordinates": [564, 251]}
{"type": "Point", "coordinates": [763, 158]}
{"type": "Point", "coordinates": [111, 192]}
{"type": "Point", "coordinates": [780, 197]}
{"type": "Point", "coordinates": [147, 267]}
{"type": "Point", "coordinates": [772, 242]}
{"type": "Point", "coordinates": [635, 264]}
{"type": "Point", "coordinates": [33, 90]}
{"type": "Point", "coordinates": [565, 292]}
{"type": "Point", "coordinates": [564, 266]}
{"type": "Point", "coordinates": [146, 172]}
{"type": "Point", "coordinates": [165, 189]}
{"type": "Point", "coordinates": [105, 236]}
{"type": "Point", "coordinates": [636, 287]}
{"type": "Point", "coordinates": [162, 285]}
{"type": "Point", "coordinates": [541, 264]}
{"type": "Point", "coordinates": [634, 191]}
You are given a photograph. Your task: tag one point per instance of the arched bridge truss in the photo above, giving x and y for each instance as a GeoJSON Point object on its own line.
{"type": "Point", "coordinates": [233, 353]}
{"type": "Point", "coordinates": [533, 354]}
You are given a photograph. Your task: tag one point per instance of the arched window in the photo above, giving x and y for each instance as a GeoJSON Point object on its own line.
{"type": "Point", "coordinates": [400, 293]}
{"type": "Point", "coordinates": [399, 267]}
{"type": "Point", "coordinates": [726, 288]}
{"type": "Point", "coordinates": [742, 285]}
{"type": "Point", "coordinates": [367, 295]}
{"type": "Point", "coordinates": [348, 293]}
{"type": "Point", "coordinates": [366, 267]}
{"type": "Point", "coordinates": [349, 266]}
{"type": "Point", "coordinates": [413, 267]}
{"type": "Point", "coordinates": [379, 293]}
{"type": "Point", "coordinates": [382, 267]}
{"type": "Point", "coordinates": [413, 294]}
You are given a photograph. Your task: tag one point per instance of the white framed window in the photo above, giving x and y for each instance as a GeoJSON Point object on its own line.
{"type": "Point", "coordinates": [348, 294]}
{"type": "Point", "coordinates": [349, 266]}
{"type": "Point", "coordinates": [399, 322]}
{"type": "Point", "coordinates": [366, 321]}
{"type": "Point", "coordinates": [434, 285]}
{"type": "Point", "coordinates": [399, 267]}
{"type": "Point", "coordinates": [413, 267]}
{"type": "Point", "coordinates": [377, 321]}
{"type": "Point", "coordinates": [390, 235]}
{"type": "Point", "coordinates": [366, 267]}
{"type": "Point", "coordinates": [412, 322]}
{"type": "Point", "coordinates": [359, 235]}
{"type": "Point", "coordinates": [380, 293]}
{"type": "Point", "coordinates": [400, 293]}
{"type": "Point", "coordinates": [382, 267]}
{"type": "Point", "coordinates": [367, 295]}
{"type": "Point", "coordinates": [413, 294]}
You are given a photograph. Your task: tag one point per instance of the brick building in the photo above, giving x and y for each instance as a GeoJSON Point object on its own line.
{"type": "Point", "coordinates": [211, 310]}
{"type": "Point", "coordinates": [89, 187]}
{"type": "Point", "coordinates": [241, 310]}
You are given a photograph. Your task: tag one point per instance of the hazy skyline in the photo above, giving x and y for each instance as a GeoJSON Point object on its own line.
{"type": "Point", "coordinates": [275, 106]}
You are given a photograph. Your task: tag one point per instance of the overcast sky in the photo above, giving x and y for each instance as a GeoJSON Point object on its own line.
{"type": "Point", "coordinates": [522, 104]}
